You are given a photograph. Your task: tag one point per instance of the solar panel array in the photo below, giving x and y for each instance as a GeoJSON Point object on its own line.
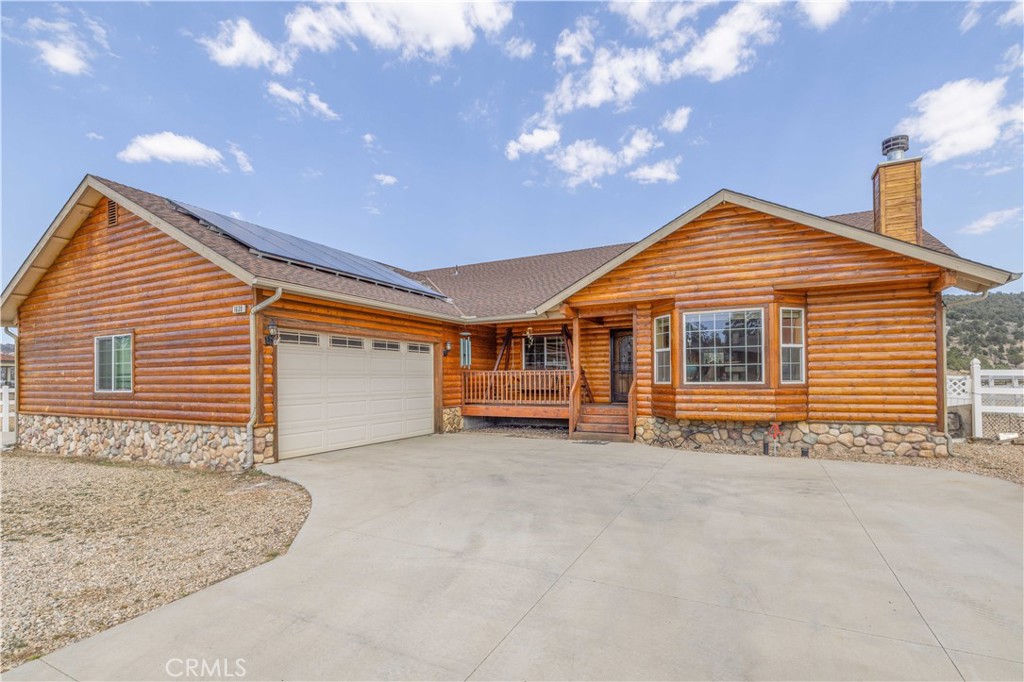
{"type": "Point", "coordinates": [281, 246]}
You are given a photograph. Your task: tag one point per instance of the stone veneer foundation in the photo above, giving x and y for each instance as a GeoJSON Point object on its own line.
{"type": "Point", "coordinates": [452, 420]}
{"type": "Point", "coordinates": [197, 446]}
{"type": "Point", "coordinates": [870, 439]}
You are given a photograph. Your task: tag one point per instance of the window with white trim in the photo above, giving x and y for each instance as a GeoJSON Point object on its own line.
{"type": "Point", "coordinates": [298, 338]}
{"type": "Point", "coordinates": [113, 363]}
{"type": "Point", "coordinates": [346, 342]}
{"type": "Point", "coordinates": [663, 349]}
{"type": "Point", "coordinates": [387, 345]}
{"type": "Point", "coordinates": [791, 338]}
{"type": "Point", "coordinates": [545, 352]}
{"type": "Point", "coordinates": [419, 347]}
{"type": "Point", "coordinates": [724, 347]}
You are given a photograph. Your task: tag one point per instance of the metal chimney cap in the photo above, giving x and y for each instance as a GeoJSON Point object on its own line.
{"type": "Point", "coordinates": [894, 147]}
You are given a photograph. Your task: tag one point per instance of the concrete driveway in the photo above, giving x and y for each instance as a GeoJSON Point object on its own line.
{"type": "Point", "coordinates": [488, 557]}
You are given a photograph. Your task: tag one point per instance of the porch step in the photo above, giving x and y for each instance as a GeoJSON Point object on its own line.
{"type": "Point", "coordinates": [604, 408]}
{"type": "Point", "coordinates": [602, 428]}
{"type": "Point", "coordinates": [602, 418]}
{"type": "Point", "coordinates": [598, 435]}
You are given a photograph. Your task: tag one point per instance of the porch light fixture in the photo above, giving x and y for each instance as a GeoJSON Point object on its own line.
{"type": "Point", "coordinates": [271, 337]}
{"type": "Point", "coordinates": [446, 348]}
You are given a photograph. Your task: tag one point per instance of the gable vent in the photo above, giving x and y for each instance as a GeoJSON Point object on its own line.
{"type": "Point", "coordinates": [111, 212]}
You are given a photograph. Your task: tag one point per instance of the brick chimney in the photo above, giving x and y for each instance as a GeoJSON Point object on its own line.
{"type": "Point", "coordinates": [897, 192]}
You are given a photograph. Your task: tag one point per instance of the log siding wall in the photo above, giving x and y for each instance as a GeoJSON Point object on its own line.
{"type": "Point", "coordinates": [190, 353]}
{"type": "Point", "coordinates": [733, 257]}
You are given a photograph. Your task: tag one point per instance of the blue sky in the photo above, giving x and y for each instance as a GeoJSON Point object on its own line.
{"type": "Point", "coordinates": [425, 136]}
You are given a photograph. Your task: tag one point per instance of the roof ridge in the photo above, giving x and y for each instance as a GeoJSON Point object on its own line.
{"type": "Point", "coordinates": [624, 245]}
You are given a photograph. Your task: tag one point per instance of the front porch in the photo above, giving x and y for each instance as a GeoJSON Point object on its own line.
{"type": "Point", "coordinates": [591, 384]}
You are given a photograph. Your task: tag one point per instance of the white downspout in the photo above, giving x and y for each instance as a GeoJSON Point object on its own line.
{"type": "Point", "coordinates": [254, 351]}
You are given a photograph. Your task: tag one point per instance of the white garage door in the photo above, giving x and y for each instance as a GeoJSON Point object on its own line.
{"type": "Point", "coordinates": [341, 391]}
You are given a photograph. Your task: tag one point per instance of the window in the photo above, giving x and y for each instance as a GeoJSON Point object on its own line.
{"type": "Point", "coordinates": [663, 349]}
{"type": "Point", "coordinates": [114, 363]}
{"type": "Point", "coordinates": [387, 345]}
{"type": "Point", "coordinates": [465, 351]}
{"type": "Point", "coordinates": [724, 347]}
{"type": "Point", "coordinates": [299, 338]}
{"type": "Point", "coordinates": [419, 347]}
{"type": "Point", "coordinates": [791, 336]}
{"type": "Point", "coordinates": [545, 352]}
{"type": "Point", "coordinates": [346, 342]}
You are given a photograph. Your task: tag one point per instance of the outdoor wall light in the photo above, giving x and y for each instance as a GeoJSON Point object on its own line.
{"type": "Point", "coordinates": [446, 349]}
{"type": "Point", "coordinates": [271, 338]}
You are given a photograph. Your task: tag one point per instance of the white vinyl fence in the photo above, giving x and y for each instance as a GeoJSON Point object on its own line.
{"type": "Point", "coordinates": [8, 418]}
{"type": "Point", "coordinates": [996, 397]}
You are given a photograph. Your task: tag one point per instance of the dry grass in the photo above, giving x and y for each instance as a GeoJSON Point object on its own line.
{"type": "Point", "coordinates": [88, 544]}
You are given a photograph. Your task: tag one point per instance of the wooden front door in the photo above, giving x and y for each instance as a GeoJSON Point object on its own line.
{"type": "Point", "coordinates": [622, 364]}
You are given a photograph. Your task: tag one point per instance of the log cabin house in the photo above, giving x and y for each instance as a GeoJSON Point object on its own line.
{"type": "Point", "coordinates": [154, 330]}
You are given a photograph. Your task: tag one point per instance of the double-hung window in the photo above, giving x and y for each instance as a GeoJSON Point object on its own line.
{"type": "Point", "coordinates": [724, 347]}
{"type": "Point", "coordinates": [113, 355]}
{"type": "Point", "coordinates": [791, 337]}
{"type": "Point", "coordinates": [663, 349]}
{"type": "Point", "coordinates": [545, 352]}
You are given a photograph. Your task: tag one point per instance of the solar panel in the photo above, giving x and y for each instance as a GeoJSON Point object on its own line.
{"type": "Point", "coordinates": [279, 245]}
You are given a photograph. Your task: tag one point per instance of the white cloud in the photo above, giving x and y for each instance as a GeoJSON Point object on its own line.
{"type": "Point", "coordinates": [385, 180]}
{"type": "Point", "coordinates": [237, 215]}
{"type": "Point", "coordinates": [312, 173]}
{"type": "Point", "coordinates": [170, 148]}
{"type": "Point", "coordinates": [532, 142]}
{"type": "Point", "coordinates": [663, 171]}
{"type": "Point", "coordinates": [368, 139]}
{"type": "Point", "coordinates": [676, 121]}
{"type": "Point", "coordinates": [320, 107]}
{"type": "Point", "coordinates": [585, 161]}
{"type": "Point", "coordinates": [726, 49]}
{"type": "Point", "coordinates": [1013, 59]}
{"type": "Point", "coordinates": [425, 30]}
{"type": "Point", "coordinates": [98, 31]}
{"type": "Point", "coordinates": [658, 19]}
{"type": "Point", "coordinates": [237, 43]}
{"type": "Point", "coordinates": [640, 145]}
{"type": "Point", "coordinates": [93, 136]}
{"type": "Point", "coordinates": [971, 17]}
{"type": "Point", "coordinates": [241, 158]}
{"type": "Point", "coordinates": [962, 117]}
{"type": "Point", "coordinates": [992, 220]}
{"type": "Point", "coordinates": [1014, 16]}
{"type": "Point", "coordinates": [519, 48]}
{"type": "Point", "coordinates": [821, 14]}
{"type": "Point", "coordinates": [574, 46]}
{"type": "Point", "coordinates": [61, 48]}
{"type": "Point", "coordinates": [616, 75]}
{"type": "Point", "coordinates": [298, 99]}
{"type": "Point", "coordinates": [278, 91]}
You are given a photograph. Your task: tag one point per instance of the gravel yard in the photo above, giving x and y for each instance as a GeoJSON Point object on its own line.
{"type": "Point", "coordinates": [983, 457]}
{"type": "Point", "coordinates": [88, 544]}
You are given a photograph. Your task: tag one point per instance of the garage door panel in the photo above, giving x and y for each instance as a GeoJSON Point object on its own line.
{"type": "Point", "coordinates": [386, 385]}
{"type": "Point", "coordinates": [344, 385]}
{"type": "Point", "coordinates": [331, 397]}
{"type": "Point", "coordinates": [346, 409]}
{"type": "Point", "coordinates": [347, 362]}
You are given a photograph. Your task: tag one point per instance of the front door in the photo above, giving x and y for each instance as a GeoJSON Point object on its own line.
{"type": "Point", "coordinates": [622, 364]}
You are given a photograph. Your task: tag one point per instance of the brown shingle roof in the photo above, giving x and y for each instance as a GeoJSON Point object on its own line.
{"type": "Point", "coordinates": [865, 220]}
{"type": "Point", "coordinates": [517, 285]}
{"type": "Point", "coordinates": [513, 286]}
{"type": "Point", "coordinates": [274, 270]}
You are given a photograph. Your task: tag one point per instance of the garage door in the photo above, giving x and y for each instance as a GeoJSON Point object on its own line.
{"type": "Point", "coordinates": [342, 391]}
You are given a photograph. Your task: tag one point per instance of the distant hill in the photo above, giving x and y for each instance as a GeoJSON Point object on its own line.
{"type": "Point", "coordinates": [991, 330]}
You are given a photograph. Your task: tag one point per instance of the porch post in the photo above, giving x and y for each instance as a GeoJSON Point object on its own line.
{"type": "Point", "coordinates": [575, 343]}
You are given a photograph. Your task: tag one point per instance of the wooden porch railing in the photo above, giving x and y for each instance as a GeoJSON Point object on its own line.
{"type": "Point", "coordinates": [517, 387]}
